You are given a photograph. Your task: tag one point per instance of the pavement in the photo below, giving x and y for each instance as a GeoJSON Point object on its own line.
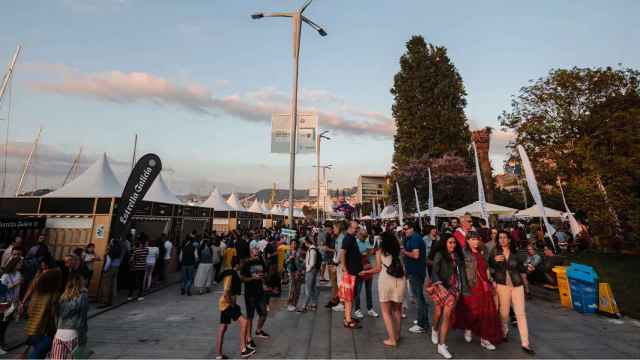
{"type": "Point", "coordinates": [168, 325]}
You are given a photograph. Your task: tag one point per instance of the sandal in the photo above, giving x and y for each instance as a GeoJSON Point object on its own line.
{"type": "Point", "coordinates": [388, 344]}
{"type": "Point", "coordinates": [352, 325]}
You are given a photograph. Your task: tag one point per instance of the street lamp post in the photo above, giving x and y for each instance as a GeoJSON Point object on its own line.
{"type": "Point", "coordinates": [318, 140]}
{"type": "Point", "coordinates": [326, 186]}
{"type": "Point", "coordinates": [296, 18]}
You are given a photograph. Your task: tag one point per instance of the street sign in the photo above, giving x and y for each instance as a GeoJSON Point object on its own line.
{"type": "Point", "coordinates": [306, 139]}
{"type": "Point", "coordinates": [288, 232]}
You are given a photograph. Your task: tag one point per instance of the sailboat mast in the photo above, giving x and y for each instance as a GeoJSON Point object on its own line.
{"type": "Point", "coordinates": [74, 167]}
{"type": "Point", "coordinates": [28, 163]}
{"type": "Point", "coordinates": [5, 84]}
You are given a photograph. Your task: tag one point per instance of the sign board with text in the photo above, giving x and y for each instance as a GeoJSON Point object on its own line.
{"type": "Point", "coordinates": [306, 138]}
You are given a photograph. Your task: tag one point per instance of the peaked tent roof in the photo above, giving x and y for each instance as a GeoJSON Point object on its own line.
{"type": "Point", "coordinates": [216, 202]}
{"type": "Point", "coordinates": [263, 206]}
{"type": "Point", "coordinates": [234, 203]}
{"type": "Point", "coordinates": [532, 212]}
{"type": "Point", "coordinates": [159, 192]}
{"type": "Point", "coordinates": [97, 181]}
{"type": "Point", "coordinates": [437, 211]}
{"type": "Point", "coordinates": [474, 209]}
{"type": "Point", "coordinates": [276, 210]}
{"type": "Point", "coordinates": [255, 207]}
{"type": "Point", "coordinates": [389, 212]}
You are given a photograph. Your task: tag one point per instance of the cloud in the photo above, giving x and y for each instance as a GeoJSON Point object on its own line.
{"type": "Point", "coordinates": [255, 106]}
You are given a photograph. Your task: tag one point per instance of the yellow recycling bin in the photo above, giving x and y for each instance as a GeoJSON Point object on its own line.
{"type": "Point", "coordinates": [607, 301]}
{"type": "Point", "coordinates": [563, 286]}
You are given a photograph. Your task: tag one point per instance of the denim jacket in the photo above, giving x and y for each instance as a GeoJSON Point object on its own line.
{"type": "Point", "coordinates": [72, 314]}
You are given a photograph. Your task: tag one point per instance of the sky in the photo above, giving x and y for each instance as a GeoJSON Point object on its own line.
{"type": "Point", "coordinates": [197, 80]}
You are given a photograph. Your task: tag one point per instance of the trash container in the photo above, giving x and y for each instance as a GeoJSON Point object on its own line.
{"type": "Point", "coordinates": [563, 286]}
{"type": "Point", "coordinates": [583, 281]}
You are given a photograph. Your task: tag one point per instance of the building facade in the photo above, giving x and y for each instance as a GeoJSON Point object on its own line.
{"type": "Point", "coordinates": [370, 188]}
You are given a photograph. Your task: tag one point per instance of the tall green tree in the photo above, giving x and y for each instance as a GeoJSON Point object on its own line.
{"type": "Point", "coordinates": [580, 125]}
{"type": "Point", "coordinates": [429, 101]}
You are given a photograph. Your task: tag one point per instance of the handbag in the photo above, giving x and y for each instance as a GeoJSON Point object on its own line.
{"type": "Point", "coordinates": [395, 269]}
{"type": "Point", "coordinates": [366, 266]}
{"type": "Point", "coordinates": [347, 287]}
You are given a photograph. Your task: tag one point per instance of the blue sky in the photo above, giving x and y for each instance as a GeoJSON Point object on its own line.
{"type": "Point", "coordinates": [197, 79]}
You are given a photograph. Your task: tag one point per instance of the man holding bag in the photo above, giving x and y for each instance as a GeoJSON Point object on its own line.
{"type": "Point", "coordinates": [351, 265]}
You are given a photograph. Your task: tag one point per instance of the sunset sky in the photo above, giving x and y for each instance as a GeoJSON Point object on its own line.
{"type": "Point", "coordinates": [198, 80]}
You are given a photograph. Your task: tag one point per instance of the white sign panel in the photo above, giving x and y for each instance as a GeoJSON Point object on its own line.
{"type": "Point", "coordinates": [69, 223]}
{"type": "Point", "coordinates": [306, 139]}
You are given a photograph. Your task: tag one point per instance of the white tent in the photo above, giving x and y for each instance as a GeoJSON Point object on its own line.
{"type": "Point", "coordinates": [234, 203]}
{"type": "Point", "coordinates": [216, 202]}
{"type": "Point", "coordinates": [264, 209]}
{"type": "Point", "coordinates": [389, 212]}
{"type": "Point", "coordinates": [255, 207]}
{"type": "Point", "coordinates": [276, 210]}
{"type": "Point", "coordinates": [437, 211]}
{"type": "Point", "coordinates": [98, 180]}
{"type": "Point", "coordinates": [533, 212]}
{"type": "Point", "coordinates": [159, 192]}
{"type": "Point", "coordinates": [298, 213]}
{"type": "Point", "coordinates": [474, 210]}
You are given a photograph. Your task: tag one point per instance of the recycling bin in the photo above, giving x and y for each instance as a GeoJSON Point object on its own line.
{"type": "Point", "coordinates": [583, 281]}
{"type": "Point", "coordinates": [563, 286]}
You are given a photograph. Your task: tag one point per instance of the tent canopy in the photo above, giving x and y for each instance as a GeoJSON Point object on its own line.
{"type": "Point", "coordinates": [255, 207]}
{"type": "Point", "coordinates": [159, 192]}
{"type": "Point", "coordinates": [492, 209]}
{"type": "Point", "coordinates": [216, 202]}
{"type": "Point", "coordinates": [533, 212]}
{"type": "Point", "coordinates": [234, 203]}
{"type": "Point", "coordinates": [437, 211]}
{"type": "Point", "coordinates": [389, 212]}
{"type": "Point", "coordinates": [98, 180]}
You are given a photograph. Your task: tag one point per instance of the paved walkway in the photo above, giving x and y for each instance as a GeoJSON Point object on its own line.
{"type": "Point", "coordinates": [168, 325]}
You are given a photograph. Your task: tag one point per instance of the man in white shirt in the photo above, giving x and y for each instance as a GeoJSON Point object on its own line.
{"type": "Point", "coordinates": [168, 248]}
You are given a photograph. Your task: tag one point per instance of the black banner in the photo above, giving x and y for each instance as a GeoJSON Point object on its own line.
{"type": "Point", "coordinates": [139, 182]}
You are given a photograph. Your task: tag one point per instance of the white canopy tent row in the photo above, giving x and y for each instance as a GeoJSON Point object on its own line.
{"type": "Point", "coordinates": [437, 212]}
{"type": "Point", "coordinates": [99, 180]}
{"type": "Point", "coordinates": [492, 209]}
{"type": "Point", "coordinates": [216, 202]}
{"type": "Point", "coordinates": [255, 207]}
{"type": "Point", "coordinates": [534, 212]}
{"type": "Point", "coordinates": [234, 203]}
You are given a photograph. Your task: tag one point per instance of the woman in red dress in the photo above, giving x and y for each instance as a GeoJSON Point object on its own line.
{"type": "Point", "coordinates": [477, 312]}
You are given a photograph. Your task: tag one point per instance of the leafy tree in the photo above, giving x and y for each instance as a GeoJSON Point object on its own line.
{"type": "Point", "coordinates": [429, 105]}
{"type": "Point", "coordinates": [581, 124]}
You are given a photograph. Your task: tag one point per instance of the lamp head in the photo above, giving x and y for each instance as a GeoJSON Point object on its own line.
{"type": "Point", "coordinates": [322, 32]}
{"type": "Point", "coordinates": [257, 16]}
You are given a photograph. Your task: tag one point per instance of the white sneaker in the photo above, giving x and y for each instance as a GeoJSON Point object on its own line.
{"type": "Point", "coordinates": [358, 314]}
{"type": "Point", "coordinates": [444, 351]}
{"type": "Point", "coordinates": [417, 329]}
{"type": "Point", "coordinates": [487, 345]}
{"type": "Point", "coordinates": [467, 336]}
{"type": "Point", "coordinates": [434, 337]}
{"type": "Point", "coordinates": [372, 313]}
{"type": "Point", "coordinates": [415, 321]}
{"type": "Point", "coordinates": [291, 308]}
{"type": "Point", "coordinates": [2, 352]}
{"type": "Point", "coordinates": [339, 307]}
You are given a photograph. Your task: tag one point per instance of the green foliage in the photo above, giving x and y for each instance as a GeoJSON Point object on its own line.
{"type": "Point", "coordinates": [581, 125]}
{"type": "Point", "coordinates": [429, 101]}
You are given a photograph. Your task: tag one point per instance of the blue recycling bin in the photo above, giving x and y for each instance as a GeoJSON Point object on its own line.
{"type": "Point", "coordinates": [583, 281]}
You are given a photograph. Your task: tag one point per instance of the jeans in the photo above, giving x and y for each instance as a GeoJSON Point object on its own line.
{"type": "Point", "coordinates": [294, 289]}
{"type": "Point", "coordinates": [368, 294]}
{"type": "Point", "coordinates": [109, 286]}
{"type": "Point", "coordinates": [416, 282]}
{"type": "Point", "coordinates": [137, 282]}
{"type": "Point", "coordinates": [310, 288]}
{"type": "Point", "coordinates": [187, 277]}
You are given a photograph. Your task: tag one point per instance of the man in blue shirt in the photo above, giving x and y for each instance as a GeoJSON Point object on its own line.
{"type": "Point", "coordinates": [415, 260]}
{"type": "Point", "coordinates": [367, 251]}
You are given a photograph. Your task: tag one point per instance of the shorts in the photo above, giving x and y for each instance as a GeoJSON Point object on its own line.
{"type": "Point", "coordinates": [231, 313]}
{"type": "Point", "coordinates": [255, 304]}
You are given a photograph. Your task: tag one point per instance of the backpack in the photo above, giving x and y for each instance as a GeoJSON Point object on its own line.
{"type": "Point", "coordinates": [318, 262]}
{"type": "Point", "coordinates": [395, 269]}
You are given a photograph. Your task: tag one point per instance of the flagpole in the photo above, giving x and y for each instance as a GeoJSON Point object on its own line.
{"type": "Point", "coordinates": [418, 209]}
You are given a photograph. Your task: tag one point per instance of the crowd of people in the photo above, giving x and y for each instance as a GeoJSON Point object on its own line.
{"type": "Point", "coordinates": [476, 278]}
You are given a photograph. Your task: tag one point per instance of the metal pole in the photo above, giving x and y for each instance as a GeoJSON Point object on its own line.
{"type": "Point", "coordinates": [296, 20]}
{"type": "Point", "coordinates": [135, 148]}
{"type": "Point", "coordinates": [318, 177]}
